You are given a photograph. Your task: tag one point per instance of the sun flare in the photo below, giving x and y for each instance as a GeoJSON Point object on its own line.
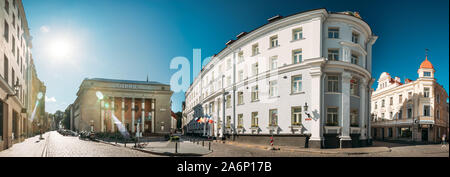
{"type": "Point", "coordinates": [61, 48]}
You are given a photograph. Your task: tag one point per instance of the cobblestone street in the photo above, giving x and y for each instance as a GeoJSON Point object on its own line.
{"type": "Point", "coordinates": [56, 145]}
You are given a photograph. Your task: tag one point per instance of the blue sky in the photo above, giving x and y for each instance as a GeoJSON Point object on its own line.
{"type": "Point", "coordinates": [132, 39]}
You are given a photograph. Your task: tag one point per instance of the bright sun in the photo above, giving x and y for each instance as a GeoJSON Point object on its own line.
{"type": "Point", "coordinates": [61, 48]}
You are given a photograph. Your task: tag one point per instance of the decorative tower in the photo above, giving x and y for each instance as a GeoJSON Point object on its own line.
{"type": "Point", "coordinates": [426, 69]}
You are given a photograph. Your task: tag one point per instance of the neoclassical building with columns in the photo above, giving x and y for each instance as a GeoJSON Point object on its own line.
{"type": "Point", "coordinates": [132, 102]}
{"type": "Point", "coordinates": [303, 79]}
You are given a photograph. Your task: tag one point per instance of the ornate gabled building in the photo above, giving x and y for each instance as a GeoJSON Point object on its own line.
{"type": "Point", "coordinates": [410, 111]}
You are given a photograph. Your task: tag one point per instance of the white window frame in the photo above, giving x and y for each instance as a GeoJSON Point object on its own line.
{"type": "Point", "coordinates": [255, 94]}
{"type": "Point", "coordinates": [273, 62]}
{"type": "Point", "coordinates": [333, 54]}
{"type": "Point", "coordinates": [297, 56]}
{"type": "Point", "coordinates": [273, 88]}
{"type": "Point", "coordinates": [255, 119]}
{"type": "Point", "coordinates": [297, 34]}
{"type": "Point", "coordinates": [334, 84]}
{"type": "Point", "coordinates": [274, 41]}
{"type": "Point", "coordinates": [255, 49]}
{"type": "Point", "coordinates": [334, 116]}
{"type": "Point", "coordinates": [296, 118]}
{"type": "Point", "coordinates": [333, 32]}
{"type": "Point", "coordinates": [296, 83]}
{"type": "Point", "coordinates": [273, 120]}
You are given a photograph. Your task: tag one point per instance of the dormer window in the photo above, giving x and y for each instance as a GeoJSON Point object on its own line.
{"type": "Point", "coordinates": [427, 74]}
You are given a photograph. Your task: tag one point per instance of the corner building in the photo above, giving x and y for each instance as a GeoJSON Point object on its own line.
{"type": "Point", "coordinates": [258, 86]}
{"type": "Point", "coordinates": [410, 111]}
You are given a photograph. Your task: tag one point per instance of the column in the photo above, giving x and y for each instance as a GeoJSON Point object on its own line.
{"type": "Point", "coordinates": [132, 115]}
{"type": "Point", "coordinates": [123, 112]}
{"type": "Point", "coordinates": [363, 112]}
{"type": "Point", "coordinates": [143, 115]}
{"type": "Point", "coordinates": [112, 112]}
{"type": "Point", "coordinates": [102, 115]}
{"type": "Point", "coordinates": [153, 115]}
{"type": "Point", "coordinates": [345, 118]}
{"type": "Point", "coordinates": [314, 105]}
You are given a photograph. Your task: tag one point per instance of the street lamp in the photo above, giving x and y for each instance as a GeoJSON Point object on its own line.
{"type": "Point", "coordinates": [305, 108]}
{"type": "Point", "coordinates": [16, 86]}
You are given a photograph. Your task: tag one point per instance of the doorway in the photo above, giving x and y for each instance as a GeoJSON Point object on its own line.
{"type": "Point", "coordinates": [382, 134]}
{"type": "Point", "coordinates": [424, 134]}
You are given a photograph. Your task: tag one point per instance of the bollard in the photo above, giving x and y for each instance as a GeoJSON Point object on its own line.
{"type": "Point", "coordinates": [176, 147]}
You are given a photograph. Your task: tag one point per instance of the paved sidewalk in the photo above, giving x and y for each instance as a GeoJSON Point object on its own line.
{"type": "Point", "coordinates": [31, 147]}
{"type": "Point", "coordinates": [362, 150]}
{"type": "Point", "coordinates": [167, 148]}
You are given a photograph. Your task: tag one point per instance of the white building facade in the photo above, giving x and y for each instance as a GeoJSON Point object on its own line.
{"type": "Point", "coordinates": [410, 111]}
{"type": "Point", "coordinates": [258, 86]}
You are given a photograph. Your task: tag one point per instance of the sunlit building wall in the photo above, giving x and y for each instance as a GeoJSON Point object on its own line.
{"type": "Point", "coordinates": [257, 86]}
{"type": "Point", "coordinates": [15, 54]}
{"type": "Point", "coordinates": [410, 110]}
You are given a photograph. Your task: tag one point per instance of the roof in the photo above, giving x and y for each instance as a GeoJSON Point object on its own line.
{"type": "Point", "coordinates": [124, 81]}
{"type": "Point", "coordinates": [426, 64]}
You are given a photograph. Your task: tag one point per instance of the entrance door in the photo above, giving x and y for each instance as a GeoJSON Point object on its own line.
{"type": "Point", "coordinates": [382, 134]}
{"type": "Point", "coordinates": [424, 134]}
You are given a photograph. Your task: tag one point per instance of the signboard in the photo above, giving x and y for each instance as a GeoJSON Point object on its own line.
{"type": "Point", "coordinates": [426, 121]}
{"type": "Point", "coordinates": [308, 119]}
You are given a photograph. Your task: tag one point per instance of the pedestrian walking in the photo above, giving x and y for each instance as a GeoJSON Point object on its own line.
{"type": "Point", "coordinates": [444, 139]}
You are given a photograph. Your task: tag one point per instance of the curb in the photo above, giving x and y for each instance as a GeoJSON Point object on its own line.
{"type": "Point", "coordinates": [308, 151]}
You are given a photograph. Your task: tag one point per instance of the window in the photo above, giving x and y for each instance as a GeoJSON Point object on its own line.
{"type": "Point", "coordinates": [6, 68]}
{"type": "Point", "coordinates": [354, 121]}
{"type": "Point", "coordinates": [7, 6]}
{"type": "Point", "coordinates": [400, 114]}
{"type": "Point", "coordinates": [13, 74]}
{"type": "Point", "coordinates": [332, 117]}
{"type": "Point", "coordinates": [228, 123]}
{"type": "Point", "coordinates": [254, 119]}
{"type": "Point", "coordinates": [382, 103]}
{"type": "Point", "coordinates": [273, 90]}
{"type": "Point", "coordinates": [390, 132]}
{"type": "Point", "coordinates": [297, 56]}
{"type": "Point", "coordinates": [426, 92]}
{"type": "Point", "coordinates": [382, 116]}
{"type": "Point", "coordinates": [255, 69]}
{"type": "Point", "coordinates": [409, 95]}
{"type": "Point", "coordinates": [400, 99]}
{"type": "Point", "coordinates": [354, 87]}
{"type": "Point", "coordinates": [391, 115]}
{"type": "Point", "coordinates": [273, 117]}
{"type": "Point", "coordinates": [6, 32]}
{"type": "Point", "coordinates": [13, 46]}
{"type": "Point", "coordinates": [228, 101]}
{"type": "Point", "coordinates": [255, 49]}
{"type": "Point", "coordinates": [241, 57]}
{"type": "Point", "coordinates": [296, 84]}
{"type": "Point", "coordinates": [240, 121]}
{"type": "Point", "coordinates": [438, 115]}
{"type": "Point", "coordinates": [376, 105]}
{"type": "Point", "coordinates": [228, 63]}
{"type": "Point", "coordinates": [296, 115]}
{"type": "Point", "coordinates": [427, 74]}
{"type": "Point", "coordinates": [240, 75]}
{"type": "Point", "coordinates": [273, 41]}
{"type": "Point", "coordinates": [391, 101]}
{"type": "Point", "coordinates": [438, 98]}
{"type": "Point", "coordinates": [333, 54]}
{"type": "Point", "coordinates": [333, 82]}
{"type": "Point", "coordinates": [297, 34]}
{"type": "Point", "coordinates": [409, 113]}
{"type": "Point", "coordinates": [255, 93]}
{"type": "Point", "coordinates": [273, 62]}
{"type": "Point", "coordinates": [355, 37]}
{"type": "Point", "coordinates": [1, 121]}
{"type": "Point", "coordinates": [426, 110]}
{"type": "Point", "coordinates": [240, 98]}
{"type": "Point", "coordinates": [228, 80]}
{"type": "Point", "coordinates": [355, 59]}
{"type": "Point", "coordinates": [405, 132]}
{"type": "Point", "coordinates": [333, 33]}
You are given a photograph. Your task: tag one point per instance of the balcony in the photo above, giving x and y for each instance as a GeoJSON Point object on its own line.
{"type": "Point", "coordinates": [385, 122]}
{"type": "Point", "coordinates": [332, 129]}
